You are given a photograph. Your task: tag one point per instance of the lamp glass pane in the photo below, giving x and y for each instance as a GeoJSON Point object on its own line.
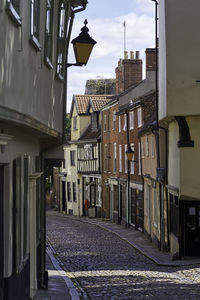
{"type": "Point", "coordinates": [82, 52]}
{"type": "Point", "coordinates": [129, 155]}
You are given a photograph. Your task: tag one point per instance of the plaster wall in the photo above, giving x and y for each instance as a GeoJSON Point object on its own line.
{"type": "Point", "coordinates": [20, 145]}
{"type": "Point", "coordinates": [27, 84]}
{"type": "Point", "coordinates": [82, 124]}
{"type": "Point", "coordinates": [149, 163]}
{"type": "Point", "coordinates": [174, 156]}
{"type": "Point", "coordinates": [180, 48]}
{"type": "Point", "coordinates": [190, 162]}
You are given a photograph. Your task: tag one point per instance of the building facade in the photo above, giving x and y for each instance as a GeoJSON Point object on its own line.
{"type": "Point", "coordinates": [179, 108]}
{"type": "Point", "coordinates": [32, 107]}
{"type": "Point", "coordinates": [83, 156]}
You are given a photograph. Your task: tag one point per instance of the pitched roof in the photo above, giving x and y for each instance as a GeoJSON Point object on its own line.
{"type": "Point", "coordinates": [82, 101]}
{"type": "Point", "coordinates": [97, 103]}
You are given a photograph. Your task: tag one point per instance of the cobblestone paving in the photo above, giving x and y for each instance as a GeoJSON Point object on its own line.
{"type": "Point", "coordinates": [103, 266]}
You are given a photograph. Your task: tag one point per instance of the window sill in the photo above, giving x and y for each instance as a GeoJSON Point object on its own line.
{"type": "Point", "coordinates": [13, 14]}
{"type": "Point", "coordinates": [48, 63]}
{"type": "Point", "coordinates": [34, 41]}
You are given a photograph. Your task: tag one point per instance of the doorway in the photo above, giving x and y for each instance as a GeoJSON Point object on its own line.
{"type": "Point", "coordinates": [63, 196]}
{"type": "Point", "coordinates": [1, 231]}
{"type": "Point", "coordinates": [192, 229]}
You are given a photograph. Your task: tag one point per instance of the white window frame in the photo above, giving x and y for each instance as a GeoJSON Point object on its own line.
{"type": "Point", "coordinates": [139, 158]}
{"type": "Point", "coordinates": [125, 160]}
{"type": "Point", "coordinates": [125, 123]}
{"type": "Point", "coordinates": [114, 157]}
{"type": "Point", "coordinates": [120, 123]}
{"type": "Point", "coordinates": [120, 158]}
{"type": "Point", "coordinates": [131, 120]}
{"type": "Point", "coordinates": [139, 116]}
{"type": "Point", "coordinates": [14, 11]}
{"type": "Point", "coordinates": [35, 22]}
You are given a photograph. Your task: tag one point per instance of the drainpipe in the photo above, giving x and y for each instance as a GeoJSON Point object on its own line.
{"type": "Point", "coordinates": [128, 196]}
{"type": "Point", "coordinates": [162, 232]}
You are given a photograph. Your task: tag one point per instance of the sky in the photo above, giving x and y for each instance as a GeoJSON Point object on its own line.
{"type": "Point", "coordinates": [105, 23]}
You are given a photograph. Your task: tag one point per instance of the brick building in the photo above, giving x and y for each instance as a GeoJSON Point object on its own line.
{"type": "Point", "coordinates": [122, 182]}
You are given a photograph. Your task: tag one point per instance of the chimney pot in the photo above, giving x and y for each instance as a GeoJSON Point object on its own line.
{"type": "Point", "coordinates": [137, 54]}
{"type": "Point", "coordinates": [125, 54]}
{"type": "Point", "coordinates": [131, 54]}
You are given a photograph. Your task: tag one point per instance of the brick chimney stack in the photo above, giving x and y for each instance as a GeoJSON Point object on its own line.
{"type": "Point", "coordinates": [128, 72]}
{"type": "Point", "coordinates": [150, 60]}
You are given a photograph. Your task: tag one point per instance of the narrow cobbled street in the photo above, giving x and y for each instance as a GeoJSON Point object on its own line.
{"type": "Point", "coordinates": [103, 266]}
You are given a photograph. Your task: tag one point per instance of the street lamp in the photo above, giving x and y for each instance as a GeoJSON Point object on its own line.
{"type": "Point", "coordinates": [83, 45]}
{"type": "Point", "coordinates": [129, 153]}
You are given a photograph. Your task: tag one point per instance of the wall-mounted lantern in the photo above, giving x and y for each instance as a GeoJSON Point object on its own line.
{"type": "Point", "coordinates": [83, 45]}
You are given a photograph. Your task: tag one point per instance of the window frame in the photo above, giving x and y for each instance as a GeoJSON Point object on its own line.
{"type": "Point", "coordinates": [73, 158]}
{"type": "Point", "coordinates": [139, 158]}
{"type": "Point", "coordinates": [61, 41]}
{"type": "Point", "coordinates": [125, 160]}
{"type": "Point", "coordinates": [13, 13]}
{"type": "Point", "coordinates": [125, 123]}
{"type": "Point", "coordinates": [75, 127]}
{"type": "Point", "coordinates": [49, 34]}
{"type": "Point", "coordinates": [139, 116]}
{"type": "Point", "coordinates": [120, 158]}
{"type": "Point", "coordinates": [35, 35]}
{"type": "Point", "coordinates": [69, 191]}
{"type": "Point", "coordinates": [119, 121]}
{"type": "Point", "coordinates": [131, 119]}
{"type": "Point", "coordinates": [114, 120]}
{"type": "Point", "coordinates": [114, 158]}
{"type": "Point", "coordinates": [74, 191]}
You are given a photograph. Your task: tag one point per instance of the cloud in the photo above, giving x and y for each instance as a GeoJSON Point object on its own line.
{"type": "Point", "coordinates": [109, 34]}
